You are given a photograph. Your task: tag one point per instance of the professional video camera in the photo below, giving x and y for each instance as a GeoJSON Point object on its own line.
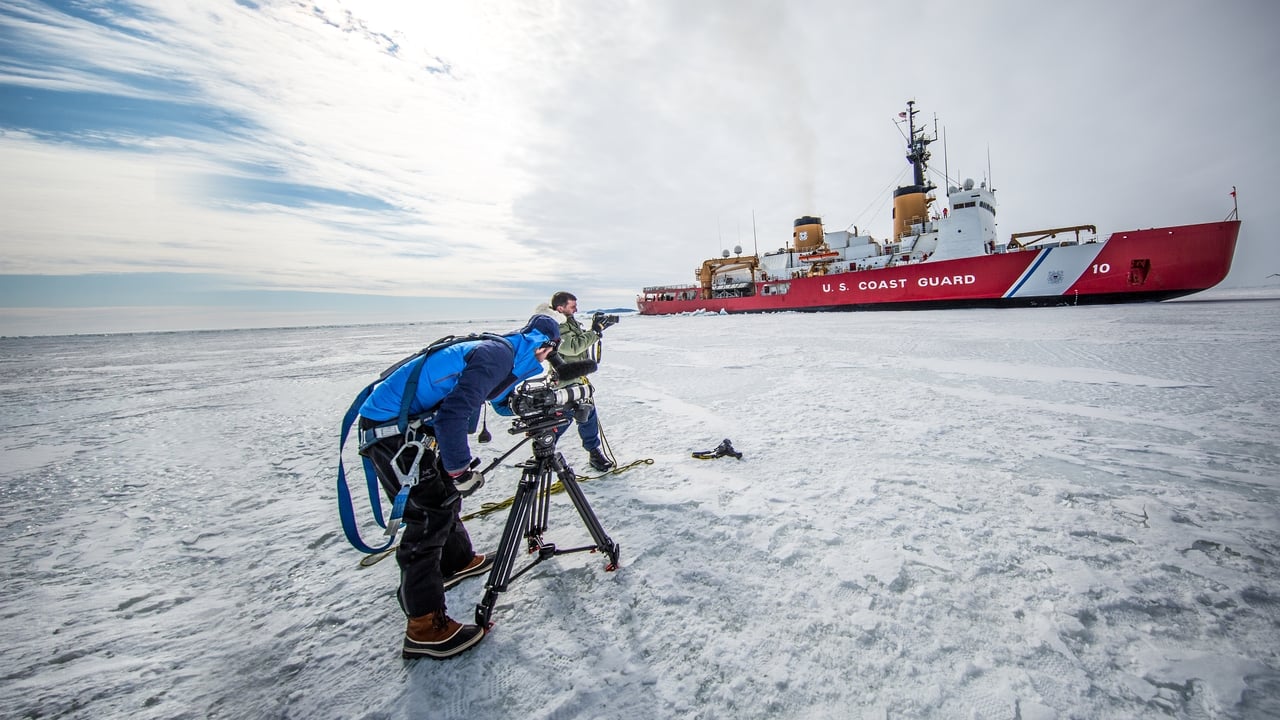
{"type": "Point", "coordinates": [535, 398]}
{"type": "Point", "coordinates": [600, 321]}
{"type": "Point", "coordinates": [536, 401]}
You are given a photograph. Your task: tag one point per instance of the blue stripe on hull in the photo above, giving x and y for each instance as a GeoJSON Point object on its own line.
{"type": "Point", "coordinates": [1044, 254]}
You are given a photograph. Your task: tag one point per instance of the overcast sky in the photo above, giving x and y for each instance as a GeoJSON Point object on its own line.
{"type": "Point", "coordinates": [214, 163]}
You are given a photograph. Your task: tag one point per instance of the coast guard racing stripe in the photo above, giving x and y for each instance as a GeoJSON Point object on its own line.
{"type": "Point", "coordinates": [1045, 278]}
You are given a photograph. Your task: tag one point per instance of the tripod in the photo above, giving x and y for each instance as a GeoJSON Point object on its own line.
{"type": "Point", "coordinates": [529, 511]}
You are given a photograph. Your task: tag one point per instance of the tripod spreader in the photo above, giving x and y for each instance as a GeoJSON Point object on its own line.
{"type": "Point", "coordinates": [528, 520]}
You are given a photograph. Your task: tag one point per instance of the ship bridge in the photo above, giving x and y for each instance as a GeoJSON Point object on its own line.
{"type": "Point", "coordinates": [969, 226]}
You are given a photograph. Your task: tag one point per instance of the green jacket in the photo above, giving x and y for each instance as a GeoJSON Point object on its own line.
{"type": "Point", "coordinates": [576, 342]}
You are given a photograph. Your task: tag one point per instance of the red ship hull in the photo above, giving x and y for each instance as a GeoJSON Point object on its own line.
{"type": "Point", "coordinates": [1133, 266]}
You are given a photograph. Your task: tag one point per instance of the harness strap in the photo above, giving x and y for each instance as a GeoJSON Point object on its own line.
{"type": "Point", "coordinates": [410, 391]}
{"type": "Point", "coordinates": [346, 511]}
{"type": "Point", "coordinates": [382, 432]}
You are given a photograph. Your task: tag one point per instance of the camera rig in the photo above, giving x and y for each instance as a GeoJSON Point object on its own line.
{"type": "Point", "coordinates": [543, 411]}
{"type": "Point", "coordinates": [537, 402]}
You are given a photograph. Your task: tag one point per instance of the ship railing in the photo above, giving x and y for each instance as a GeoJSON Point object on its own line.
{"type": "Point", "coordinates": [670, 288]}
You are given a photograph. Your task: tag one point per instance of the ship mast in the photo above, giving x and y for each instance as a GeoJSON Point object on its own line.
{"type": "Point", "coordinates": [918, 148]}
{"type": "Point", "coordinates": [911, 202]}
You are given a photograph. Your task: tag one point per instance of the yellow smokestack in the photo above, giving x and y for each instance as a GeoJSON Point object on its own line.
{"type": "Point", "coordinates": [807, 235]}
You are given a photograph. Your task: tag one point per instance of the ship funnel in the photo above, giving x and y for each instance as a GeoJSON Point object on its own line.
{"type": "Point", "coordinates": [910, 207]}
{"type": "Point", "coordinates": [807, 235]}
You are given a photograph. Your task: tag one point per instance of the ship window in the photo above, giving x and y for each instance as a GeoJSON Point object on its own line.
{"type": "Point", "coordinates": [988, 207]}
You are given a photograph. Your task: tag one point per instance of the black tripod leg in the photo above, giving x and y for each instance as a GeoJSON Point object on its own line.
{"type": "Point", "coordinates": [601, 538]}
{"type": "Point", "coordinates": [505, 556]}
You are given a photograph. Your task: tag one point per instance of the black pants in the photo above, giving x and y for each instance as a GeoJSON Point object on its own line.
{"type": "Point", "coordinates": [435, 544]}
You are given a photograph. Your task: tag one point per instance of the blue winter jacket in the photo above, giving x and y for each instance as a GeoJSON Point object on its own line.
{"type": "Point", "coordinates": [455, 382]}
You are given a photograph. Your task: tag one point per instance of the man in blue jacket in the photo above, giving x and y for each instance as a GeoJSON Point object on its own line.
{"type": "Point", "coordinates": [435, 551]}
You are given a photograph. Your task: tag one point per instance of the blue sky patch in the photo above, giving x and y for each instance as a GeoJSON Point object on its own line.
{"type": "Point", "coordinates": [56, 112]}
{"type": "Point", "coordinates": [260, 190]}
{"type": "Point", "coordinates": [106, 13]}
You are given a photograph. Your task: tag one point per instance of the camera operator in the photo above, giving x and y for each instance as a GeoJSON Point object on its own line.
{"type": "Point", "coordinates": [579, 344]}
{"type": "Point", "coordinates": [435, 551]}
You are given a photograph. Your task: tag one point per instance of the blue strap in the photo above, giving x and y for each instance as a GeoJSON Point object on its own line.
{"type": "Point", "coordinates": [346, 510]}
{"type": "Point", "coordinates": [410, 392]}
{"type": "Point", "coordinates": [397, 509]}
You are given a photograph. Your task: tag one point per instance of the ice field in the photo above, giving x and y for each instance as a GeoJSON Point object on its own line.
{"type": "Point", "coordinates": [1039, 513]}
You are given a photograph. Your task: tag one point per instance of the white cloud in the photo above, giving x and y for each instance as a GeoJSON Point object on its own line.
{"type": "Point", "coordinates": [335, 111]}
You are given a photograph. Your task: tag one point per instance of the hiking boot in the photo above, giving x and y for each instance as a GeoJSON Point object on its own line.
{"type": "Point", "coordinates": [436, 635]}
{"type": "Point", "coordinates": [598, 460]}
{"type": "Point", "coordinates": [479, 565]}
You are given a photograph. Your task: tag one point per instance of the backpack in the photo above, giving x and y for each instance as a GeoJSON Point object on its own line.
{"type": "Point", "coordinates": [346, 511]}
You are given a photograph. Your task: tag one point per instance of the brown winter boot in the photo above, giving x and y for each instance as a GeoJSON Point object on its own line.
{"type": "Point", "coordinates": [438, 636]}
{"type": "Point", "coordinates": [479, 565]}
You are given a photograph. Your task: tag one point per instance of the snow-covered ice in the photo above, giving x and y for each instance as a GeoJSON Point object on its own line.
{"type": "Point", "coordinates": [1041, 513]}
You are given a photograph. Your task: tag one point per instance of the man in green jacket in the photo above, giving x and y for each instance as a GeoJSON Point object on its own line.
{"type": "Point", "coordinates": [579, 343]}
